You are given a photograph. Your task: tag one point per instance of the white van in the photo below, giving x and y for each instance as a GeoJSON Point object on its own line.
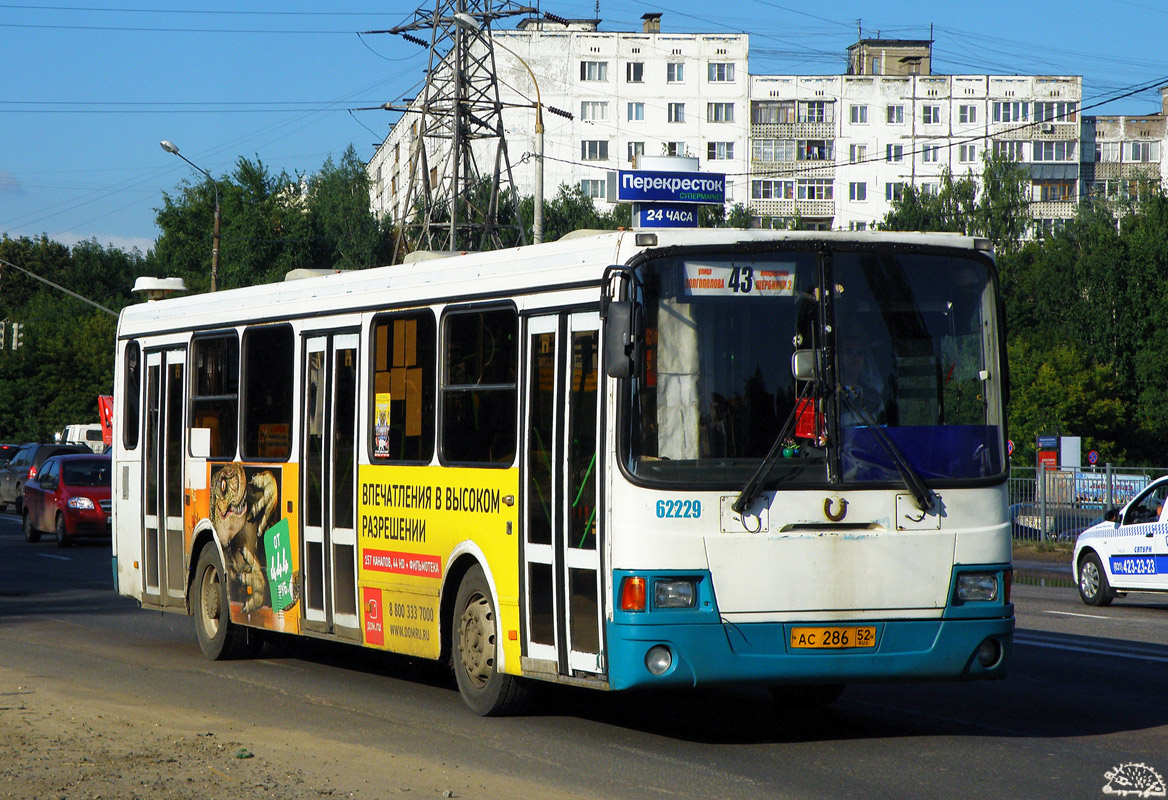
{"type": "Point", "coordinates": [88, 435]}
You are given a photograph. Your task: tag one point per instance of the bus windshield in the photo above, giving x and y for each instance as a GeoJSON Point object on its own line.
{"type": "Point", "coordinates": [901, 340]}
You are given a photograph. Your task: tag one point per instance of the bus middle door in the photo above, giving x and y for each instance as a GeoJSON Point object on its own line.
{"type": "Point", "coordinates": [328, 484]}
{"type": "Point", "coordinates": [561, 553]}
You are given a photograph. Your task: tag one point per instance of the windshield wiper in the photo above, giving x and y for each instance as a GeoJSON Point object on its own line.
{"type": "Point", "coordinates": [753, 486]}
{"type": "Point", "coordinates": [923, 496]}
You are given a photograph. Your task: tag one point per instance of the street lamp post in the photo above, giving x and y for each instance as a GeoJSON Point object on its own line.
{"type": "Point", "coordinates": [170, 148]}
{"type": "Point", "coordinates": [468, 22]}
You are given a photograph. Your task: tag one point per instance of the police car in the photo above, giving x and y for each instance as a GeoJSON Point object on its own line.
{"type": "Point", "coordinates": [1128, 551]}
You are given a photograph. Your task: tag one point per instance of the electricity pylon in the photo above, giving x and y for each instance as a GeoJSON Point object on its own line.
{"type": "Point", "coordinates": [453, 201]}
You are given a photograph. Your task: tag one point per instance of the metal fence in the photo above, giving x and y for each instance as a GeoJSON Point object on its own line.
{"type": "Point", "coordinates": [1059, 504]}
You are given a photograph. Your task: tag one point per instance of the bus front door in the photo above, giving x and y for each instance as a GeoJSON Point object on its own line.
{"type": "Point", "coordinates": [164, 581]}
{"type": "Point", "coordinates": [561, 554]}
{"type": "Point", "coordinates": [328, 484]}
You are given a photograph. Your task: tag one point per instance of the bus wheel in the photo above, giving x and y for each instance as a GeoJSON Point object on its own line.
{"type": "Point", "coordinates": [474, 648]}
{"type": "Point", "coordinates": [219, 637]}
{"type": "Point", "coordinates": [1093, 586]}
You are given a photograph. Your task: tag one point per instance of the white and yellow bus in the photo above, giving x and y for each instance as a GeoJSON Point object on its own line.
{"type": "Point", "coordinates": [626, 459]}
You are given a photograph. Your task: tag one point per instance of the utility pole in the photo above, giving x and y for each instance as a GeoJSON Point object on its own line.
{"type": "Point", "coordinates": [452, 200]}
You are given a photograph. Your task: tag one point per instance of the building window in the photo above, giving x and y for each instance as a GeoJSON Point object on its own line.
{"type": "Point", "coordinates": [593, 110]}
{"type": "Point", "coordinates": [636, 150]}
{"type": "Point", "coordinates": [635, 72]}
{"type": "Point", "coordinates": [593, 70]}
{"type": "Point", "coordinates": [858, 153]}
{"type": "Point", "coordinates": [772, 190]}
{"type": "Point", "coordinates": [1054, 191]}
{"type": "Point", "coordinates": [1013, 151]}
{"type": "Point", "coordinates": [480, 386]}
{"type": "Point", "coordinates": [773, 150]}
{"type": "Point", "coordinates": [1107, 152]}
{"type": "Point", "coordinates": [967, 115]}
{"type": "Point", "coordinates": [930, 189]}
{"type": "Point", "coordinates": [1055, 112]}
{"type": "Point", "coordinates": [894, 152]}
{"type": "Point", "coordinates": [1141, 151]}
{"type": "Point", "coordinates": [594, 188]}
{"type": "Point", "coordinates": [676, 149]}
{"type": "Point", "coordinates": [766, 112]}
{"type": "Point", "coordinates": [815, 150]}
{"type": "Point", "coordinates": [858, 115]}
{"type": "Point", "coordinates": [858, 192]}
{"type": "Point", "coordinates": [857, 226]}
{"type": "Point", "coordinates": [931, 153]}
{"type": "Point", "coordinates": [594, 150]}
{"type": "Point", "coordinates": [815, 189]}
{"type": "Point", "coordinates": [1053, 151]}
{"type": "Point", "coordinates": [404, 365]}
{"type": "Point", "coordinates": [815, 111]}
{"type": "Point", "coordinates": [675, 72]}
{"type": "Point", "coordinates": [720, 151]}
{"type": "Point", "coordinates": [719, 112]}
{"type": "Point", "coordinates": [967, 153]}
{"type": "Point", "coordinates": [636, 112]}
{"type": "Point", "coordinates": [677, 112]}
{"type": "Point", "coordinates": [894, 191]}
{"type": "Point", "coordinates": [1011, 112]}
{"type": "Point", "coordinates": [894, 115]}
{"type": "Point", "coordinates": [931, 115]}
{"type": "Point", "coordinates": [721, 72]}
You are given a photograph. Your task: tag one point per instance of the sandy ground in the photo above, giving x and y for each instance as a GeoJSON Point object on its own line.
{"type": "Point", "coordinates": [63, 742]}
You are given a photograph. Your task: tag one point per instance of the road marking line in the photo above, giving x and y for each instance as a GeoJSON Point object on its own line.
{"type": "Point", "coordinates": [1073, 614]}
{"type": "Point", "coordinates": [1079, 649]}
{"type": "Point", "coordinates": [48, 555]}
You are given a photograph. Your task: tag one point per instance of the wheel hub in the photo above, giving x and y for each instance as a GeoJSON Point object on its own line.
{"type": "Point", "coordinates": [477, 640]}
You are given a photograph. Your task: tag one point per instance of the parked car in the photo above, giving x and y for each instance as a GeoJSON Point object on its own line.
{"type": "Point", "coordinates": [70, 496]}
{"type": "Point", "coordinates": [23, 465]}
{"type": "Point", "coordinates": [1127, 551]}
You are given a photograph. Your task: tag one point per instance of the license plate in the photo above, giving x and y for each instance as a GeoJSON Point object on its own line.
{"type": "Point", "coordinates": [833, 638]}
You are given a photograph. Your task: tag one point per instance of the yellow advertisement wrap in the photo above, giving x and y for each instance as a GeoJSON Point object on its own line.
{"type": "Point", "coordinates": [410, 519]}
{"type": "Point", "coordinates": [250, 510]}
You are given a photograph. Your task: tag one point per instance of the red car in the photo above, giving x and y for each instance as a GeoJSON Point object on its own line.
{"type": "Point", "coordinates": [69, 496]}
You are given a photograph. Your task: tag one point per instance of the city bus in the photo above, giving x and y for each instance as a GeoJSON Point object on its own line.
{"type": "Point", "coordinates": [628, 459]}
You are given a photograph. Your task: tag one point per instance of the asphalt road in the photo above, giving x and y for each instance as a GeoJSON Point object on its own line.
{"type": "Point", "coordinates": [1086, 694]}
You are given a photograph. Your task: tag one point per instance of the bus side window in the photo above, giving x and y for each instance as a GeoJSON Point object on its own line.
{"type": "Point", "coordinates": [404, 361]}
{"type": "Point", "coordinates": [269, 377]}
{"type": "Point", "coordinates": [215, 391]}
{"type": "Point", "coordinates": [131, 395]}
{"type": "Point", "coordinates": [480, 386]}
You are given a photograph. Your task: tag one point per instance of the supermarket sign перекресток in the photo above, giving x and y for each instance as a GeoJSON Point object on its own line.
{"type": "Point", "coordinates": [637, 186]}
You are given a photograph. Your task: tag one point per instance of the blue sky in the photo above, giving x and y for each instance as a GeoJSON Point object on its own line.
{"type": "Point", "coordinates": [88, 89]}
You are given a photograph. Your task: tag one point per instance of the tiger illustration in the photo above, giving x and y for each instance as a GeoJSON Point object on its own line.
{"type": "Point", "coordinates": [241, 510]}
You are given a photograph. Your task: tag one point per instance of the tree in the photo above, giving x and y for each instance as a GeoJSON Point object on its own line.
{"type": "Point", "coordinates": [997, 211]}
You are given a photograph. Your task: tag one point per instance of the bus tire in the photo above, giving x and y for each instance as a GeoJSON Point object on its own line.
{"type": "Point", "coordinates": [474, 650]}
{"type": "Point", "coordinates": [219, 637]}
{"type": "Point", "coordinates": [1092, 581]}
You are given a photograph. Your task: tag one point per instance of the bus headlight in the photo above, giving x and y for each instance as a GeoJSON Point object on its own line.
{"type": "Point", "coordinates": [977, 586]}
{"type": "Point", "coordinates": [675, 593]}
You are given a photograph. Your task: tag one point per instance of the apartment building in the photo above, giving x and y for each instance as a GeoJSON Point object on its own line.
{"type": "Point", "coordinates": [831, 150]}
{"type": "Point", "coordinates": [1123, 153]}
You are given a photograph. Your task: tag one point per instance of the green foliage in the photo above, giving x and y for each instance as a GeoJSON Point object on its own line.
{"type": "Point", "coordinates": [1000, 213]}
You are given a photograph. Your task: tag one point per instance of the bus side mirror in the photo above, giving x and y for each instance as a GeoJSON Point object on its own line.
{"type": "Point", "coordinates": [803, 365]}
{"type": "Point", "coordinates": [620, 342]}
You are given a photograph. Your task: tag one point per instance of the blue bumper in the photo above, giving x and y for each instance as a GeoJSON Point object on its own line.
{"type": "Point", "coordinates": [706, 650]}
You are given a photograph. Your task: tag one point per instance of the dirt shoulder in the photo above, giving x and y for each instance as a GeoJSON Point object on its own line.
{"type": "Point", "coordinates": [64, 741]}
